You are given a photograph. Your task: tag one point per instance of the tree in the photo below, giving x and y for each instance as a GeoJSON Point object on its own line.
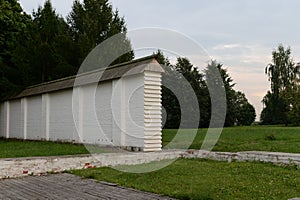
{"type": "Point", "coordinates": [195, 81]}
{"type": "Point", "coordinates": [238, 110]}
{"type": "Point", "coordinates": [171, 113]}
{"type": "Point", "coordinates": [13, 24]}
{"type": "Point", "coordinates": [44, 47]}
{"type": "Point", "coordinates": [94, 21]}
{"type": "Point", "coordinates": [46, 50]}
{"type": "Point", "coordinates": [245, 112]}
{"type": "Point", "coordinates": [282, 73]}
{"type": "Point", "coordinates": [282, 70]}
{"type": "Point", "coordinates": [12, 21]}
{"type": "Point", "coordinates": [198, 84]}
{"type": "Point", "coordinates": [235, 104]}
{"type": "Point", "coordinates": [293, 96]}
{"type": "Point", "coordinates": [54, 45]}
{"type": "Point", "coordinates": [226, 82]}
{"type": "Point", "coordinates": [275, 110]}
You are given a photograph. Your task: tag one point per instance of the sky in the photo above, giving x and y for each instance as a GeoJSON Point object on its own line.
{"type": "Point", "coordinates": [239, 34]}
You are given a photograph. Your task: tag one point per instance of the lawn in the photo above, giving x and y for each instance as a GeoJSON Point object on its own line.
{"type": "Point", "coordinates": [203, 179]}
{"type": "Point", "coordinates": [19, 148]}
{"type": "Point", "coordinates": [258, 138]}
{"type": "Point", "coordinates": [252, 138]}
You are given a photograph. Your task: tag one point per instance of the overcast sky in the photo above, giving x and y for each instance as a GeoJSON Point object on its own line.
{"type": "Point", "coordinates": [239, 34]}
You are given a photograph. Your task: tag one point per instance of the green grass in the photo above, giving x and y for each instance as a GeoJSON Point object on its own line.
{"type": "Point", "coordinates": [202, 179]}
{"type": "Point", "coordinates": [252, 138]}
{"type": "Point", "coordinates": [19, 148]}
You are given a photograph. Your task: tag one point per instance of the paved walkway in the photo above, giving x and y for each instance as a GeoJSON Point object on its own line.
{"type": "Point", "coordinates": [67, 186]}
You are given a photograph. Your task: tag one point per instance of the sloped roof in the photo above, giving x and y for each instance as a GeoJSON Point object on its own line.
{"type": "Point", "coordinates": [113, 72]}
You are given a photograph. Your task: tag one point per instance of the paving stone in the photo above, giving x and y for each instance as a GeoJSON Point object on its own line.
{"type": "Point", "coordinates": [67, 186]}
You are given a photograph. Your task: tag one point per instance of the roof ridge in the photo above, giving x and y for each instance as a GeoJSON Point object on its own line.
{"type": "Point", "coordinates": [154, 56]}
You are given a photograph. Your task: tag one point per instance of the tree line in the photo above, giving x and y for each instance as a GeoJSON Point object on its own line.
{"type": "Point", "coordinates": [44, 46]}
{"type": "Point", "coordinates": [238, 109]}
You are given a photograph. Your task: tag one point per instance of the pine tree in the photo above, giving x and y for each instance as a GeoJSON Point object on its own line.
{"type": "Point", "coordinates": [94, 21]}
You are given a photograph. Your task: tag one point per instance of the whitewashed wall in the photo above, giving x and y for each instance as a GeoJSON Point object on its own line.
{"type": "Point", "coordinates": [123, 112]}
{"type": "Point", "coordinates": [128, 111]}
{"type": "Point", "coordinates": [96, 113]}
{"type": "Point", "coordinates": [2, 120]}
{"type": "Point", "coordinates": [35, 122]}
{"type": "Point", "coordinates": [16, 119]}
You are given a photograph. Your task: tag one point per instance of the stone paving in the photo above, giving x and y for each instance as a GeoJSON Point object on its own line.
{"type": "Point", "coordinates": [67, 186]}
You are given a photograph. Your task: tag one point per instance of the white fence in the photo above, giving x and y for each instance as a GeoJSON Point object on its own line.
{"type": "Point", "coordinates": [120, 109]}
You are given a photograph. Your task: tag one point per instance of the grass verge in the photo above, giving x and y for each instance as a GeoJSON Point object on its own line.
{"type": "Point", "coordinates": [252, 138]}
{"type": "Point", "coordinates": [203, 179]}
{"type": "Point", "coordinates": [10, 148]}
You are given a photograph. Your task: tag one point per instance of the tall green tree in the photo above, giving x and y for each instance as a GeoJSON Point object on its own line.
{"type": "Point", "coordinates": [293, 96]}
{"type": "Point", "coordinates": [275, 109]}
{"type": "Point", "coordinates": [171, 112]}
{"type": "Point", "coordinates": [282, 73]}
{"type": "Point", "coordinates": [245, 112]}
{"type": "Point", "coordinates": [227, 84]}
{"type": "Point", "coordinates": [46, 50]}
{"type": "Point", "coordinates": [195, 81]}
{"type": "Point", "coordinates": [238, 110]}
{"type": "Point", "coordinates": [94, 21]}
{"type": "Point", "coordinates": [44, 47]}
{"type": "Point", "coordinates": [13, 22]}
{"type": "Point", "coordinates": [54, 48]}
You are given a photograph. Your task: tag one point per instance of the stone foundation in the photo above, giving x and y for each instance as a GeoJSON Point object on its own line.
{"type": "Point", "coordinates": [18, 167]}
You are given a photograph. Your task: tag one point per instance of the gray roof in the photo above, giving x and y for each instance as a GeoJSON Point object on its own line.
{"type": "Point", "coordinates": [103, 74]}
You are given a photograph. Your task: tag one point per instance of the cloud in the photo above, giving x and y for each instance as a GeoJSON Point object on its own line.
{"type": "Point", "coordinates": [226, 46]}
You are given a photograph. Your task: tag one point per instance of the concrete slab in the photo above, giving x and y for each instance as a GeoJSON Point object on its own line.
{"type": "Point", "coordinates": [67, 186]}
